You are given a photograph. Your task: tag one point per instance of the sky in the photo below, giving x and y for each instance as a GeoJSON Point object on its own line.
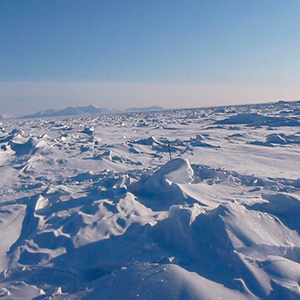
{"type": "Point", "coordinates": [125, 53]}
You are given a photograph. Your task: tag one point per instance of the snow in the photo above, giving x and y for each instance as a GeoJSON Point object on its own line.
{"type": "Point", "coordinates": [92, 207]}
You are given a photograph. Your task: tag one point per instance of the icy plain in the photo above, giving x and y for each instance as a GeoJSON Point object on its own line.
{"type": "Point", "coordinates": [94, 208]}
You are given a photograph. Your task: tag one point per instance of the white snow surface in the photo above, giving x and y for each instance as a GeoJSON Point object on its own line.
{"type": "Point", "coordinates": [93, 207]}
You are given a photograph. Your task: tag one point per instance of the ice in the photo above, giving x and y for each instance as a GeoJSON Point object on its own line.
{"type": "Point", "coordinates": [178, 204]}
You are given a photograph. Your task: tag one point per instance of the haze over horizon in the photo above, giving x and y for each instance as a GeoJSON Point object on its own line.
{"type": "Point", "coordinates": [120, 54]}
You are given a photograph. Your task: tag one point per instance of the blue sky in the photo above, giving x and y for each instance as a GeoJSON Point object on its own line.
{"type": "Point", "coordinates": [139, 53]}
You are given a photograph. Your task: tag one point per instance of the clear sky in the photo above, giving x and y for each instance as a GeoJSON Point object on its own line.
{"type": "Point", "coordinates": [123, 53]}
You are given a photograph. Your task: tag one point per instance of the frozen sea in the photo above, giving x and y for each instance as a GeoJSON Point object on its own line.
{"type": "Point", "coordinates": [177, 204]}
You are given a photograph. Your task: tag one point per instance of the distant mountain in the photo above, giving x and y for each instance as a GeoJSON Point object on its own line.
{"type": "Point", "coordinates": [141, 109]}
{"type": "Point", "coordinates": [69, 111]}
{"type": "Point", "coordinates": [4, 116]}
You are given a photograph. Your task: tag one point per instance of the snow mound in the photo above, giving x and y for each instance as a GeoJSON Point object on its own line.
{"type": "Point", "coordinates": [227, 243]}
{"type": "Point", "coordinates": [285, 207]}
{"type": "Point", "coordinates": [199, 141]}
{"type": "Point", "coordinates": [279, 139]}
{"type": "Point", "coordinates": [255, 119]}
{"type": "Point", "coordinates": [165, 187]}
{"type": "Point", "coordinates": [145, 281]}
{"type": "Point", "coordinates": [283, 139]}
{"type": "Point", "coordinates": [147, 141]}
{"type": "Point", "coordinates": [88, 130]}
{"type": "Point", "coordinates": [275, 139]}
{"type": "Point", "coordinates": [176, 171]}
{"type": "Point", "coordinates": [26, 148]}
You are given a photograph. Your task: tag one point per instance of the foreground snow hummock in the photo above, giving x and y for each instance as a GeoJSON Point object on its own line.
{"type": "Point", "coordinates": [175, 171]}
{"type": "Point", "coordinates": [93, 208]}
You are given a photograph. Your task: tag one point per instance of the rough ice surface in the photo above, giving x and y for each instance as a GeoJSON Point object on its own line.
{"type": "Point", "coordinates": [93, 207]}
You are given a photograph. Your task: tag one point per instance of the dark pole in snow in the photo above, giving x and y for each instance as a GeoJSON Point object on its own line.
{"type": "Point", "coordinates": [169, 147]}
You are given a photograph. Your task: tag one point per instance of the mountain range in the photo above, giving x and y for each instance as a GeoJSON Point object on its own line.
{"type": "Point", "coordinates": [83, 110]}
{"type": "Point", "coordinates": [70, 111]}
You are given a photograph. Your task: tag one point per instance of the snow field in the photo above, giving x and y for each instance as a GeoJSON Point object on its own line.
{"type": "Point", "coordinates": [92, 208]}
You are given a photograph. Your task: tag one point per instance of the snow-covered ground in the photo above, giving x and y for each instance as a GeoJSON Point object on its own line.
{"type": "Point", "coordinates": [93, 208]}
